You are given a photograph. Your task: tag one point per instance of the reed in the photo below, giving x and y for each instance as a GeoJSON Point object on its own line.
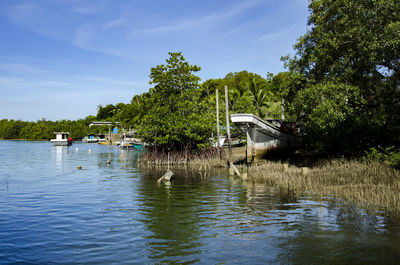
{"type": "Point", "coordinates": [372, 186]}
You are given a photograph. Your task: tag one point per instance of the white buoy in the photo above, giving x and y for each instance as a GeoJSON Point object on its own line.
{"type": "Point", "coordinates": [76, 149]}
{"type": "Point", "coordinates": [89, 150]}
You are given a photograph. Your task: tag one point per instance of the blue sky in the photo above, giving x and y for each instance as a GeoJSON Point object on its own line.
{"type": "Point", "coordinates": [60, 59]}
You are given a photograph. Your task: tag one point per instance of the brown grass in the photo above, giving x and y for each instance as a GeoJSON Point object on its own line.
{"type": "Point", "coordinates": [372, 186]}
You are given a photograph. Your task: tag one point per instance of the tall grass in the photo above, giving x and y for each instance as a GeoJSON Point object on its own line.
{"type": "Point", "coordinates": [373, 186]}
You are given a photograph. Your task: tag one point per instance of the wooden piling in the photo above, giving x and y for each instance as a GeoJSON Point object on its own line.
{"type": "Point", "coordinates": [217, 102]}
{"type": "Point", "coordinates": [227, 126]}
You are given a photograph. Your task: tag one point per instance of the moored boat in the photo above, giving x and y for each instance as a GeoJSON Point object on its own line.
{"type": "Point", "coordinates": [129, 141]}
{"type": "Point", "coordinates": [94, 138]}
{"type": "Point", "coordinates": [264, 136]}
{"type": "Point", "coordinates": [62, 139]}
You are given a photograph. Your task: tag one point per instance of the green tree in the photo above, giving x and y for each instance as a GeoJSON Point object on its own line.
{"type": "Point", "coordinates": [356, 43]}
{"type": "Point", "coordinates": [260, 95]}
{"type": "Point", "coordinates": [177, 114]}
{"type": "Point", "coordinates": [330, 113]}
{"type": "Point", "coordinates": [104, 113]}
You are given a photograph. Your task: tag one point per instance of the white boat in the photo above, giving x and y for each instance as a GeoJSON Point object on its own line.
{"type": "Point", "coordinates": [62, 139]}
{"type": "Point", "coordinates": [264, 136]}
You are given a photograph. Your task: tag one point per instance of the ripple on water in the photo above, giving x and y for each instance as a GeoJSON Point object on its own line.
{"type": "Point", "coordinates": [117, 214]}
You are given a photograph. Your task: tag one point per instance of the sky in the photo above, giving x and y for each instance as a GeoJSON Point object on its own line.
{"type": "Point", "coordinates": [61, 59]}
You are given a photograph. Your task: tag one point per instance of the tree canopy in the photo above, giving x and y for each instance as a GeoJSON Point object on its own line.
{"type": "Point", "coordinates": [176, 115]}
{"type": "Point", "coordinates": [351, 43]}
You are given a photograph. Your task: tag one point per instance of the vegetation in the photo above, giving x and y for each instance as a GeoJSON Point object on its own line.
{"type": "Point", "coordinates": [42, 129]}
{"type": "Point", "coordinates": [177, 113]}
{"type": "Point", "coordinates": [388, 155]}
{"type": "Point", "coordinates": [350, 58]}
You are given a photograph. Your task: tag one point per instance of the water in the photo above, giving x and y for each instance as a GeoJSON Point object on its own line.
{"type": "Point", "coordinates": [53, 213]}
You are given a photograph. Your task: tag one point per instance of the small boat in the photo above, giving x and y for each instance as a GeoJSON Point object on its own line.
{"type": "Point", "coordinates": [264, 136]}
{"type": "Point", "coordinates": [62, 139]}
{"type": "Point", "coordinates": [94, 138]}
{"type": "Point", "coordinates": [130, 145]}
{"type": "Point", "coordinates": [128, 141]}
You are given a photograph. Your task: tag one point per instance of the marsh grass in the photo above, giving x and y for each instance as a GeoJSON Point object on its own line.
{"type": "Point", "coordinates": [372, 186]}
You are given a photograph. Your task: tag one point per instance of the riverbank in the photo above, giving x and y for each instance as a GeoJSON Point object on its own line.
{"type": "Point", "coordinates": [367, 184]}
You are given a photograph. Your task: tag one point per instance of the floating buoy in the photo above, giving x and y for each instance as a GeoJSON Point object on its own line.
{"type": "Point", "coordinates": [108, 162]}
{"type": "Point", "coordinates": [89, 150]}
{"type": "Point", "coordinates": [76, 149]}
{"type": "Point", "coordinates": [79, 167]}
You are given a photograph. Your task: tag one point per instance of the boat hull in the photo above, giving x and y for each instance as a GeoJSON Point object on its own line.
{"type": "Point", "coordinates": [60, 143]}
{"type": "Point", "coordinates": [264, 136]}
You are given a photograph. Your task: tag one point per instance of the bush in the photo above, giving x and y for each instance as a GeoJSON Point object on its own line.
{"type": "Point", "coordinates": [389, 155]}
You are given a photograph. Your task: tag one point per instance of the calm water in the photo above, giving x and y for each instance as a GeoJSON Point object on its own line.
{"type": "Point", "coordinates": [51, 212]}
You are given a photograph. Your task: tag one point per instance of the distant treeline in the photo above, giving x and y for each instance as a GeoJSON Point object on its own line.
{"type": "Point", "coordinates": [44, 130]}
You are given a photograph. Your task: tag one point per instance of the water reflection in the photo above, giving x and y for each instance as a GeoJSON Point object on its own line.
{"type": "Point", "coordinates": [171, 215]}
{"type": "Point", "coordinates": [59, 150]}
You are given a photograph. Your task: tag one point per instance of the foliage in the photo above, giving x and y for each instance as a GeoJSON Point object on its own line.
{"type": "Point", "coordinates": [327, 111]}
{"type": "Point", "coordinates": [41, 130]}
{"type": "Point", "coordinates": [247, 93]}
{"type": "Point", "coordinates": [351, 43]}
{"type": "Point", "coordinates": [104, 113]}
{"type": "Point", "coordinates": [388, 155]}
{"type": "Point", "coordinates": [177, 114]}
{"type": "Point", "coordinates": [356, 41]}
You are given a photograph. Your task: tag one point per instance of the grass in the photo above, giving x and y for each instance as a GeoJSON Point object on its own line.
{"type": "Point", "coordinates": [373, 186]}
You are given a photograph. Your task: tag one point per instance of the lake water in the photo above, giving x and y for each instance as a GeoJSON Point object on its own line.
{"type": "Point", "coordinates": [53, 213]}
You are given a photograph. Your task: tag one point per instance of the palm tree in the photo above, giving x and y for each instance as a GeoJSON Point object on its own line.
{"type": "Point", "coordinates": [260, 96]}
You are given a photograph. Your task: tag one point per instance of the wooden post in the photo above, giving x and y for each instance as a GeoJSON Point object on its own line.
{"type": "Point", "coordinates": [249, 146]}
{"type": "Point", "coordinates": [227, 126]}
{"type": "Point", "coordinates": [217, 100]}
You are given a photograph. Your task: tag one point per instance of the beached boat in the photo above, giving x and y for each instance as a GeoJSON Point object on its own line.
{"type": "Point", "coordinates": [62, 139]}
{"type": "Point", "coordinates": [264, 136]}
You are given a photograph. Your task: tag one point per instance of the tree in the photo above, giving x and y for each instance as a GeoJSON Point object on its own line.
{"type": "Point", "coordinates": [106, 112]}
{"type": "Point", "coordinates": [330, 112]}
{"type": "Point", "coordinates": [260, 95]}
{"type": "Point", "coordinates": [355, 43]}
{"type": "Point", "coordinates": [177, 115]}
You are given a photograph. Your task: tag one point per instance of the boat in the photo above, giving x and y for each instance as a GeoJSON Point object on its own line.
{"type": "Point", "coordinates": [128, 141]}
{"type": "Point", "coordinates": [62, 139]}
{"type": "Point", "coordinates": [133, 146]}
{"type": "Point", "coordinates": [94, 138]}
{"type": "Point", "coordinates": [264, 136]}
